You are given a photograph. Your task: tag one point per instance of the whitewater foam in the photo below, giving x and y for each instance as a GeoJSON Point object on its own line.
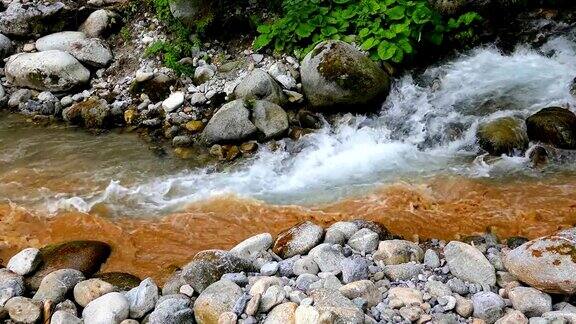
{"type": "Point", "coordinates": [426, 126]}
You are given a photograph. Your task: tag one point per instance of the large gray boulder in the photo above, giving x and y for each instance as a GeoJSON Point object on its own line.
{"type": "Point", "coordinates": [55, 286]}
{"type": "Point", "coordinates": [54, 71]}
{"type": "Point", "coordinates": [336, 74]}
{"type": "Point", "coordinates": [92, 51]}
{"type": "Point", "coordinates": [547, 263]}
{"type": "Point", "coordinates": [269, 118]}
{"type": "Point", "coordinates": [230, 123]}
{"type": "Point", "coordinates": [188, 11]}
{"type": "Point", "coordinates": [61, 41]}
{"type": "Point", "coordinates": [259, 85]}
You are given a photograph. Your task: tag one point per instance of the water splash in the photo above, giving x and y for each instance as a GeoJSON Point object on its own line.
{"type": "Point", "coordinates": [427, 126]}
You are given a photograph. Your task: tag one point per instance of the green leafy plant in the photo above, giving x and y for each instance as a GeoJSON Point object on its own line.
{"type": "Point", "coordinates": [389, 30]}
{"type": "Point", "coordinates": [181, 42]}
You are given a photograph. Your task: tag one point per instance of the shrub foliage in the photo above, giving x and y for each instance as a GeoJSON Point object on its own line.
{"type": "Point", "coordinates": [389, 30]}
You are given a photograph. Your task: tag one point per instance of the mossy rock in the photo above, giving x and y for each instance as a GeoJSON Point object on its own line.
{"type": "Point", "coordinates": [503, 136]}
{"type": "Point", "coordinates": [335, 75]}
{"type": "Point", "coordinates": [555, 126]}
{"type": "Point", "coordinates": [85, 256]}
{"type": "Point", "coordinates": [93, 113]}
{"type": "Point", "coordinates": [122, 280]}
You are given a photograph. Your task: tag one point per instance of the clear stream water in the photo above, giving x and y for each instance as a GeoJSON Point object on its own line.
{"type": "Point", "coordinates": [425, 128]}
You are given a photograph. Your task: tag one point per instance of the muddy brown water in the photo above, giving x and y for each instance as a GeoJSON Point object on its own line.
{"type": "Point", "coordinates": [444, 207]}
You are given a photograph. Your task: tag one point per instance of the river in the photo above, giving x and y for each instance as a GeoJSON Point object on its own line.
{"type": "Point", "coordinates": [415, 166]}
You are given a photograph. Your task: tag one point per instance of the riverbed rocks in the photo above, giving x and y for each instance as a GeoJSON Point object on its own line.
{"type": "Point", "coordinates": [335, 74]}
{"type": "Point", "coordinates": [555, 126]}
{"type": "Point", "coordinates": [505, 135]}
{"type": "Point", "coordinates": [244, 119]}
{"type": "Point", "coordinates": [319, 282]}
{"type": "Point", "coordinates": [547, 263]}
{"type": "Point", "coordinates": [53, 70]}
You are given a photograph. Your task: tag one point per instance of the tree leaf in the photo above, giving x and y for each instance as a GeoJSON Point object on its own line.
{"type": "Point", "coordinates": [396, 13]}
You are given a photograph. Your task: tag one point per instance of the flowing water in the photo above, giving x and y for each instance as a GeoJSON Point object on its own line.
{"type": "Point", "coordinates": [414, 166]}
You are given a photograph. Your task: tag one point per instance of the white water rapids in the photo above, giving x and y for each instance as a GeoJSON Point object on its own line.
{"type": "Point", "coordinates": [426, 127]}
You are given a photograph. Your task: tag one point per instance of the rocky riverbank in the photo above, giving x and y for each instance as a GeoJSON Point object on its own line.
{"type": "Point", "coordinates": [351, 272]}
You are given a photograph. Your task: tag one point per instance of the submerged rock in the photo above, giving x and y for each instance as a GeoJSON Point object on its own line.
{"type": "Point", "coordinates": [298, 240]}
{"type": "Point", "coordinates": [208, 267]}
{"type": "Point", "coordinates": [85, 256]}
{"type": "Point", "coordinates": [554, 126]}
{"type": "Point", "coordinates": [503, 136]}
{"type": "Point", "coordinates": [53, 71]}
{"type": "Point", "coordinates": [547, 263]}
{"type": "Point", "coordinates": [336, 74]}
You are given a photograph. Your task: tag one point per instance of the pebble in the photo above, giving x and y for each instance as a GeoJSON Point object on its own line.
{"type": "Point", "coordinates": [431, 259]}
{"type": "Point", "coordinates": [304, 265]}
{"type": "Point", "coordinates": [142, 298]}
{"type": "Point", "coordinates": [530, 301]}
{"type": "Point", "coordinates": [269, 268]}
{"type": "Point", "coordinates": [24, 310]}
{"type": "Point", "coordinates": [11, 285]}
{"type": "Point", "coordinates": [364, 241]}
{"type": "Point", "coordinates": [354, 269]}
{"type": "Point", "coordinates": [110, 308]}
{"type": "Point", "coordinates": [57, 284]}
{"type": "Point", "coordinates": [25, 261]}
{"type": "Point", "coordinates": [173, 102]}
{"type": "Point", "coordinates": [88, 290]}
{"type": "Point", "coordinates": [488, 306]}
{"type": "Point", "coordinates": [469, 264]}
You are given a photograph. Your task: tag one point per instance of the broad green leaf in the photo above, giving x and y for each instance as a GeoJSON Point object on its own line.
{"type": "Point", "coordinates": [395, 13]}
{"type": "Point", "coordinates": [386, 51]}
{"type": "Point", "coordinates": [262, 41]}
{"type": "Point", "coordinates": [304, 30]}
